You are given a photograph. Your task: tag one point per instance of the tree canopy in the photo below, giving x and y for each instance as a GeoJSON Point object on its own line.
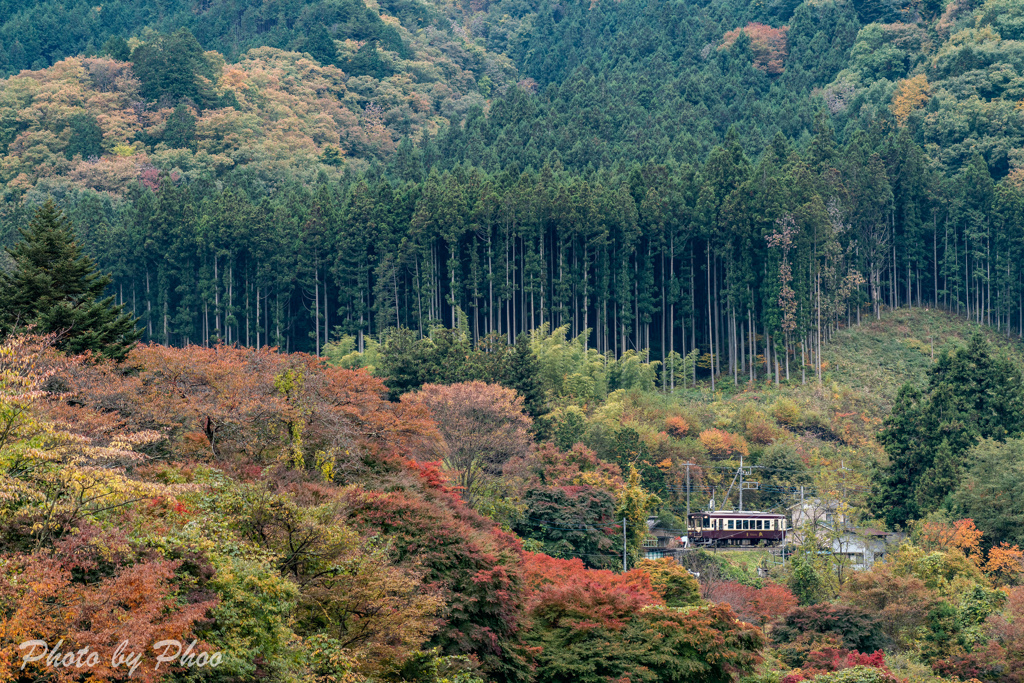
{"type": "Point", "coordinates": [55, 289]}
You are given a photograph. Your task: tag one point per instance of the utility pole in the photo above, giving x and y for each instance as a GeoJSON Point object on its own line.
{"type": "Point", "coordinates": [842, 469]}
{"type": "Point", "coordinates": [624, 544]}
{"type": "Point", "coordinates": [745, 486]}
{"type": "Point", "coordinates": [688, 493]}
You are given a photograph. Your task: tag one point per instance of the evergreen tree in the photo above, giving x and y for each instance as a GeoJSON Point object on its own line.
{"type": "Point", "coordinates": [992, 492]}
{"type": "Point", "coordinates": [168, 67]}
{"type": "Point", "coordinates": [401, 363]}
{"type": "Point", "coordinates": [972, 395]}
{"type": "Point", "coordinates": [117, 48]}
{"type": "Point", "coordinates": [54, 288]}
{"type": "Point", "coordinates": [320, 46]}
{"type": "Point", "coordinates": [367, 62]}
{"type": "Point", "coordinates": [180, 131]}
{"type": "Point", "coordinates": [522, 373]}
{"type": "Point", "coordinates": [86, 137]}
{"type": "Point", "coordinates": [904, 440]}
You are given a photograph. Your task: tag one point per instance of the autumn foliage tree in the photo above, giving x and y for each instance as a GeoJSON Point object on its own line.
{"type": "Point", "coordinates": [482, 427]}
{"type": "Point", "coordinates": [295, 420]}
{"type": "Point", "coordinates": [95, 591]}
{"type": "Point", "coordinates": [754, 605]}
{"type": "Point", "coordinates": [257, 405]}
{"type": "Point", "coordinates": [476, 566]}
{"type": "Point", "coordinates": [911, 94]}
{"type": "Point", "coordinates": [568, 502]}
{"type": "Point", "coordinates": [768, 45]}
{"type": "Point", "coordinates": [676, 586]}
{"type": "Point", "coordinates": [902, 603]}
{"type": "Point", "coordinates": [595, 626]}
{"type": "Point", "coordinates": [351, 593]}
{"type": "Point", "coordinates": [722, 444]}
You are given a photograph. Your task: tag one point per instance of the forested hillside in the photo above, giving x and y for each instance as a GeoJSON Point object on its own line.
{"type": "Point", "coordinates": [380, 341]}
{"type": "Point", "coordinates": [621, 169]}
{"type": "Point", "coordinates": [463, 515]}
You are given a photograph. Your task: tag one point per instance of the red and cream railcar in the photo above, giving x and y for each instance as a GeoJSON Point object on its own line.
{"type": "Point", "coordinates": [736, 528]}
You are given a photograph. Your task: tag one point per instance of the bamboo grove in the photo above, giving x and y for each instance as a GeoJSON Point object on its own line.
{"type": "Point", "coordinates": [751, 262]}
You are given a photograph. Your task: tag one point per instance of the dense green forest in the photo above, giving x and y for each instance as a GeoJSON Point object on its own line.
{"type": "Point", "coordinates": [630, 184]}
{"type": "Point", "coordinates": [371, 341]}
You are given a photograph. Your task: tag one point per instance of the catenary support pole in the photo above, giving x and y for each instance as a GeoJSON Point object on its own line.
{"type": "Point", "coordinates": [624, 544]}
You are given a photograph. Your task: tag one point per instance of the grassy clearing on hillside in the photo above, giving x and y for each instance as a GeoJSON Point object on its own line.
{"type": "Point", "coordinates": [747, 560]}
{"type": "Point", "coordinates": [879, 356]}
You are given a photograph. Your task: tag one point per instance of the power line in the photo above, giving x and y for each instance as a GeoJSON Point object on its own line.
{"type": "Point", "coordinates": [584, 526]}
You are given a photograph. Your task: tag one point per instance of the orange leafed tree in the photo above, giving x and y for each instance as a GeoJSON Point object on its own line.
{"type": "Point", "coordinates": [755, 605]}
{"type": "Point", "coordinates": [911, 94]}
{"type": "Point", "coordinates": [1005, 562]}
{"type": "Point", "coordinates": [768, 45]}
{"type": "Point", "coordinates": [43, 597]}
{"type": "Point", "coordinates": [482, 427]}
{"type": "Point", "coordinates": [961, 534]}
{"type": "Point", "coordinates": [566, 592]}
{"type": "Point", "coordinates": [548, 466]}
{"type": "Point", "coordinates": [677, 426]}
{"type": "Point", "coordinates": [256, 405]}
{"type": "Point", "coordinates": [722, 444]}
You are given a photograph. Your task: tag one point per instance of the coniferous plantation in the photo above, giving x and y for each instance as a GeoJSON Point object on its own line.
{"type": "Point", "coordinates": [512, 341]}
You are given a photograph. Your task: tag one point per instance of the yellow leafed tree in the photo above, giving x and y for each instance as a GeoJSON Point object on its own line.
{"type": "Point", "coordinates": [911, 94]}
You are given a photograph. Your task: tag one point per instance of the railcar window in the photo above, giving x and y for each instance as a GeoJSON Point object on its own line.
{"type": "Point", "coordinates": [730, 524]}
{"type": "Point", "coordinates": [758, 524]}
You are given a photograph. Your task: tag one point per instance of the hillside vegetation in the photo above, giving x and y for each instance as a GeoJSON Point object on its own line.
{"type": "Point", "coordinates": [293, 519]}
{"type": "Point", "coordinates": [880, 356]}
{"type": "Point", "coordinates": [369, 341]}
